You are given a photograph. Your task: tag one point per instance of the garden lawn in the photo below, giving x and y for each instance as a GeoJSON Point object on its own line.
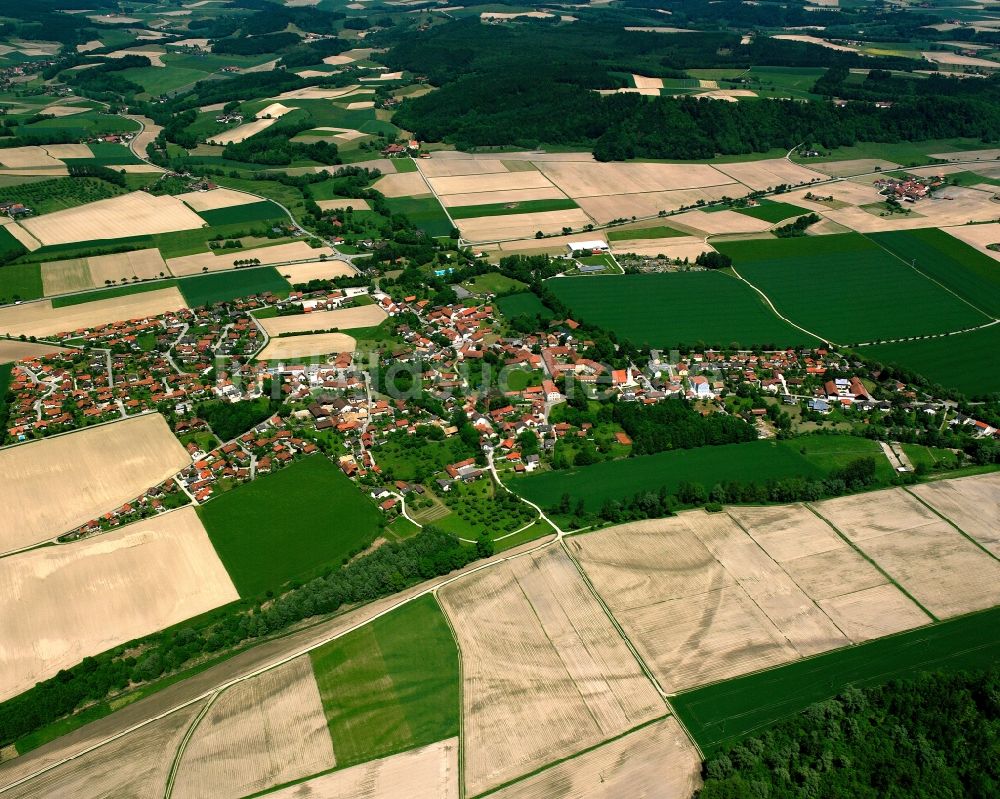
{"type": "Point", "coordinates": [524, 304]}
{"type": "Point", "coordinates": [721, 714]}
{"type": "Point", "coordinates": [391, 685]}
{"type": "Point", "coordinates": [846, 288]}
{"type": "Point", "coordinates": [964, 362]}
{"type": "Point", "coordinates": [972, 275]}
{"type": "Point", "coordinates": [622, 479]}
{"type": "Point", "coordinates": [20, 282]}
{"type": "Point", "coordinates": [290, 525]}
{"type": "Point", "coordinates": [667, 310]}
{"type": "Point", "coordinates": [224, 286]}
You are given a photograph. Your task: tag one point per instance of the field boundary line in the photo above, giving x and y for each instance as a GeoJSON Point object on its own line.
{"type": "Point", "coordinates": [961, 532]}
{"type": "Point", "coordinates": [175, 765]}
{"type": "Point", "coordinates": [611, 617]}
{"type": "Point", "coordinates": [871, 560]}
{"type": "Point", "coordinates": [916, 269]}
{"type": "Point", "coordinates": [778, 314]}
{"type": "Point", "coordinates": [587, 750]}
{"type": "Point", "coordinates": [281, 661]}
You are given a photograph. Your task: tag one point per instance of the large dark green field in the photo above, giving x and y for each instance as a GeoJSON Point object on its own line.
{"type": "Point", "coordinates": [616, 480]}
{"type": "Point", "coordinates": [965, 362]}
{"type": "Point", "coordinates": [224, 286]}
{"type": "Point", "coordinates": [771, 211]}
{"type": "Point", "coordinates": [719, 715]}
{"type": "Point", "coordinates": [973, 276]}
{"type": "Point", "coordinates": [20, 281]}
{"type": "Point", "coordinates": [251, 212]}
{"type": "Point", "coordinates": [289, 525]}
{"type": "Point", "coordinates": [392, 685]}
{"type": "Point", "coordinates": [664, 310]}
{"type": "Point", "coordinates": [848, 289]}
{"type": "Point", "coordinates": [505, 209]}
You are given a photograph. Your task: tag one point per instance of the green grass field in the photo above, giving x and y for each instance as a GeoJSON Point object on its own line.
{"type": "Point", "coordinates": [973, 276]}
{"type": "Point", "coordinates": [848, 289]}
{"type": "Point", "coordinates": [664, 310]}
{"type": "Point", "coordinates": [494, 283]}
{"type": "Point", "coordinates": [658, 232]}
{"type": "Point", "coordinates": [223, 286]}
{"type": "Point", "coordinates": [9, 246]}
{"type": "Point", "coordinates": [905, 153]}
{"type": "Point", "coordinates": [20, 282]}
{"type": "Point", "coordinates": [237, 214]}
{"type": "Point", "coordinates": [292, 524]}
{"type": "Point", "coordinates": [391, 685]}
{"type": "Point", "coordinates": [525, 302]}
{"type": "Point", "coordinates": [424, 212]}
{"type": "Point", "coordinates": [505, 209]}
{"type": "Point", "coordinates": [616, 480]}
{"type": "Point", "coordinates": [107, 294]}
{"type": "Point", "coordinates": [964, 362]}
{"type": "Point", "coordinates": [721, 714]}
{"type": "Point", "coordinates": [771, 211]}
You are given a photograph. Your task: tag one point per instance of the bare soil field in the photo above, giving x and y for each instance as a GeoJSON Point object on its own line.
{"type": "Point", "coordinates": [307, 346]}
{"type": "Point", "coordinates": [261, 732]}
{"type": "Point", "coordinates": [656, 761]}
{"type": "Point", "coordinates": [493, 181]}
{"type": "Point", "coordinates": [545, 673]}
{"type": "Point", "coordinates": [454, 167]}
{"type": "Point", "coordinates": [770, 173]}
{"type": "Point", "coordinates": [402, 184]}
{"type": "Point", "coordinates": [606, 207]}
{"type": "Point", "coordinates": [63, 603]}
{"type": "Point", "coordinates": [721, 222]}
{"type": "Point", "coordinates": [60, 277]}
{"type": "Point", "coordinates": [219, 260]}
{"type": "Point", "coordinates": [136, 765]}
{"type": "Point", "coordinates": [971, 503]}
{"type": "Point", "coordinates": [53, 485]}
{"type": "Point", "coordinates": [144, 264]}
{"type": "Point", "coordinates": [515, 226]}
{"type": "Point", "coordinates": [590, 179]}
{"type": "Point", "coordinates": [850, 590]}
{"type": "Point", "coordinates": [11, 351]}
{"type": "Point", "coordinates": [857, 166]}
{"type": "Point", "coordinates": [932, 561]}
{"type": "Point", "coordinates": [317, 270]}
{"type": "Point", "coordinates": [242, 132]}
{"type": "Point", "coordinates": [978, 236]}
{"type": "Point", "coordinates": [343, 319]}
{"type": "Point", "coordinates": [133, 214]}
{"type": "Point", "coordinates": [41, 319]}
{"type": "Point", "coordinates": [216, 198]}
{"type": "Point", "coordinates": [430, 772]}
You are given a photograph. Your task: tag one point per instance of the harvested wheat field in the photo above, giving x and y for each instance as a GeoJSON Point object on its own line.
{"type": "Point", "coordinates": [856, 596]}
{"type": "Point", "coordinates": [971, 503]}
{"type": "Point", "coordinates": [968, 155]}
{"type": "Point", "coordinates": [965, 204]}
{"type": "Point", "coordinates": [978, 236]}
{"type": "Point", "coordinates": [11, 351]}
{"type": "Point", "coordinates": [216, 198]}
{"type": "Point", "coordinates": [134, 214]}
{"type": "Point", "coordinates": [857, 166]}
{"type": "Point", "coordinates": [259, 733]}
{"type": "Point", "coordinates": [517, 226]}
{"type": "Point", "coordinates": [136, 765]}
{"type": "Point", "coordinates": [342, 319]}
{"type": "Point", "coordinates": [41, 319]}
{"type": "Point", "coordinates": [402, 184]}
{"type": "Point", "coordinates": [552, 244]}
{"type": "Point", "coordinates": [63, 603]}
{"type": "Point", "coordinates": [155, 56]}
{"type": "Point", "coordinates": [759, 175]}
{"type": "Point", "coordinates": [642, 82]}
{"type": "Point", "coordinates": [794, 37]}
{"type": "Point", "coordinates": [307, 346]}
{"type": "Point", "coordinates": [242, 132]}
{"type": "Point", "coordinates": [60, 277]}
{"type": "Point", "coordinates": [150, 130]}
{"type": "Point", "coordinates": [344, 202]}
{"type": "Point", "coordinates": [217, 260]}
{"type": "Point", "coordinates": [590, 178]}
{"type": "Point", "coordinates": [656, 761]}
{"type": "Point", "coordinates": [317, 270]}
{"type": "Point", "coordinates": [934, 563]}
{"type": "Point", "coordinates": [455, 167]}
{"type": "Point", "coordinates": [545, 673]}
{"type": "Point", "coordinates": [31, 156]}
{"type": "Point", "coordinates": [275, 110]}
{"type": "Point", "coordinates": [509, 196]}
{"type": "Point", "coordinates": [361, 104]}
{"type": "Point", "coordinates": [683, 611]}
{"type": "Point", "coordinates": [719, 222]}
{"type": "Point", "coordinates": [430, 772]}
{"type": "Point", "coordinates": [954, 59]}
{"type": "Point", "coordinates": [126, 266]}
{"type": "Point", "coordinates": [493, 181]}
{"type": "Point", "coordinates": [19, 233]}
{"type": "Point", "coordinates": [54, 485]}
{"type": "Point", "coordinates": [62, 151]}
{"type": "Point", "coordinates": [681, 247]}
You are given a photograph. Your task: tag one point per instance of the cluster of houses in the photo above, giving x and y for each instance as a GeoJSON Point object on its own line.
{"type": "Point", "coordinates": [909, 189]}
{"type": "Point", "coordinates": [157, 499]}
{"type": "Point", "coordinates": [15, 210]}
